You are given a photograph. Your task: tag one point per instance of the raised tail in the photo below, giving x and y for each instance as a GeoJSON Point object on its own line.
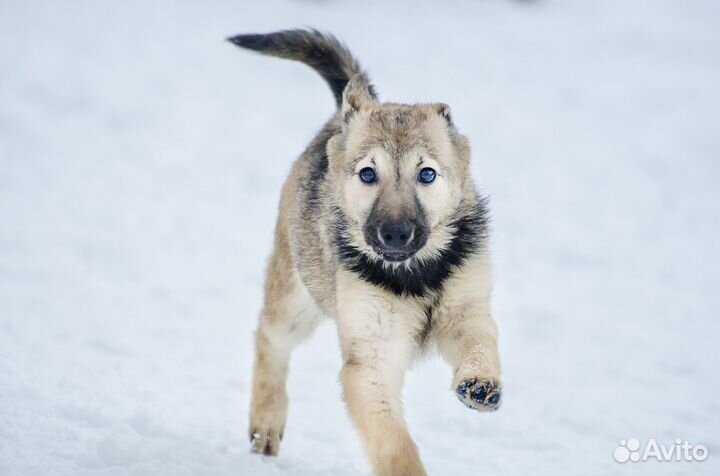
{"type": "Point", "coordinates": [322, 52]}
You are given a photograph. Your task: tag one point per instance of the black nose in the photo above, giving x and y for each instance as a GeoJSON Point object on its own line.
{"type": "Point", "coordinates": [396, 235]}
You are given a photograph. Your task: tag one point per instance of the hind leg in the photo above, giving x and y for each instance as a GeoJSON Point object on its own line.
{"type": "Point", "coordinates": [288, 317]}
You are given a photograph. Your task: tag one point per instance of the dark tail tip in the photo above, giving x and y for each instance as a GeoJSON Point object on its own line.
{"type": "Point", "coordinates": [251, 42]}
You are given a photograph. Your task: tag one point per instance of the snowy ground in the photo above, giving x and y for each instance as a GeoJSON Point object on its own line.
{"type": "Point", "coordinates": [141, 159]}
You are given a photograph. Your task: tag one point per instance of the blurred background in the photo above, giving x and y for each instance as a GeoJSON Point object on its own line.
{"type": "Point", "coordinates": [141, 160]}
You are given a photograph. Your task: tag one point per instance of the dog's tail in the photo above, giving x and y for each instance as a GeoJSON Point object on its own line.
{"type": "Point", "coordinates": [322, 52]}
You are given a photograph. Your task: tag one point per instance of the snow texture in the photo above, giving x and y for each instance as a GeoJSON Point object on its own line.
{"type": "Point", "coordinates": [141, 159]}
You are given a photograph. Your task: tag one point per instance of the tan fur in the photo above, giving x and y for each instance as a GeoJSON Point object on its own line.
{"type": "Point", "coordinates": [381, 332]}
{"type": "Point", "coordinates": [464, 330]}
{"type": "Point", "coordinates": [375, 329]}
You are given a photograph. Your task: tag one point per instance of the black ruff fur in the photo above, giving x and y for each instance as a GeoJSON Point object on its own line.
{"type": "Point", "coordinates": [420, 278]}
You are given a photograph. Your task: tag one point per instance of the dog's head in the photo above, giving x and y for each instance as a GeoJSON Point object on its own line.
{"type": "Point", "coordinates": [400, 172]}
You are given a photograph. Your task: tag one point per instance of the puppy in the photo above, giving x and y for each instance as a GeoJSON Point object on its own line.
{"type": "Point", "coordinates": [380, 228]}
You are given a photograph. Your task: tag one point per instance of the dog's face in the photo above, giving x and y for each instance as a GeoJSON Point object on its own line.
{"type": "Point", "coordinates": [400, 172]}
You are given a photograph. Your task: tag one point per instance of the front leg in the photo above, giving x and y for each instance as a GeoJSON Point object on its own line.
{"type": "Point", "coordinates": [376, 335]}
{"type": "Point", "coordinates": [466, 337]}
{"type": "Point", "coordinates": [470, 347]}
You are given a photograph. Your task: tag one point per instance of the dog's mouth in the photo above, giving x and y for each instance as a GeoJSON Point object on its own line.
{"type": "Point", "coordinates": [397, 254]}
{"type": "Point", "coordinates": [394, 256]}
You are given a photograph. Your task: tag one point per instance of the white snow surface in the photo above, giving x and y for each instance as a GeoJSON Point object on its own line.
{"type": "Point", "coordinates": [141, 159]}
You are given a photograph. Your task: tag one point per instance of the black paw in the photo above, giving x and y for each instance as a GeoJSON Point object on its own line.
{"type": "Point", "coordinates": [483, 395]}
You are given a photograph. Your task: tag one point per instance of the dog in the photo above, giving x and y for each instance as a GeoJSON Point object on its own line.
{"type": "Point", "coordinates": [381, 228]}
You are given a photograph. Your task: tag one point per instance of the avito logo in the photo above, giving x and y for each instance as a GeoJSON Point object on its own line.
{"type": "Point", "coordinates": [631, 450]}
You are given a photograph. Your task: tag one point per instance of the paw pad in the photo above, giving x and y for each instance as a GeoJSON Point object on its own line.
{"type": "Point", "coordinates": [483, 395]}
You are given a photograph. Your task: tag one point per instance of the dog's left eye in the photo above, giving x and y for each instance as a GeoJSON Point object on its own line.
{"type": "Point", "coordinates": [427, 175]}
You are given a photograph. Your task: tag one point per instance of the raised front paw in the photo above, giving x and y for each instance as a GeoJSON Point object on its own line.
{"type": "Point", "coordinates": [483, 395]}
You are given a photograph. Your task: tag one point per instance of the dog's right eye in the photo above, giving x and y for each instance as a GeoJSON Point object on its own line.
{"type": "Point", "coordinates": [368, 175]}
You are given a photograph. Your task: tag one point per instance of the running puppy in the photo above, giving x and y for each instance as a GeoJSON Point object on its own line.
{"type": "Point", "coordinates": [380, 228]}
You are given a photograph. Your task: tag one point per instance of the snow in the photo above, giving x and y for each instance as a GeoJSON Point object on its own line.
{"type": "Point", "coordinates": [141, 162]}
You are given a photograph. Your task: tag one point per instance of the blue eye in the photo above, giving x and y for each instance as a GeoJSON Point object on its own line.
{"type": "Point", "coordinates": [427, 175]}
{"type": "Point", "coordinates": [368, 175]}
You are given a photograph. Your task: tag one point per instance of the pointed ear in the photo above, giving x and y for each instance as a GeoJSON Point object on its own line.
{"type": "Point", "coordinates": [443, 110]}
{"type": "Point", "coordinates": [358, 95]}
